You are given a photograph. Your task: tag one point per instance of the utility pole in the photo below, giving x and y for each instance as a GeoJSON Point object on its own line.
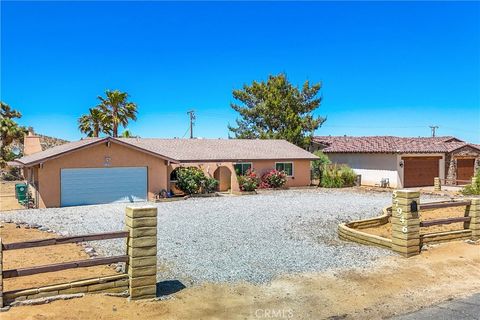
{"type": "Point", "coordinates": [191, 113]}
{"type": "Point", "coordinates": [433, 130]}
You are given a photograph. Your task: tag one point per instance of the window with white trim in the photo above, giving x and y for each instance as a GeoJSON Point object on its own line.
{"type": "Point", "coordinates": [242, 168]}
{"type": "Point", "coordinates": [286, 167]}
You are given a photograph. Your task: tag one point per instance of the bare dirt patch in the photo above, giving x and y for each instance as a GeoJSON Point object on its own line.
{"type": "Point", "coordinates": [385, 230]}
{"type": "Point", "coordinates": [22, 258]}
{"type": "Point", "coordinates": [398, 286]}
{"type": "Point", "coordinates": [7, 196]}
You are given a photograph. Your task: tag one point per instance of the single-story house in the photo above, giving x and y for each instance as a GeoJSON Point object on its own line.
{"type": "Point", "coordinates": [405, 162]}
{"type": "Point", "coordinates": [104, 170]}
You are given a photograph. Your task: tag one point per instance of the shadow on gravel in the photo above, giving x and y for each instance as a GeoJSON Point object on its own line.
{"type": "Point", "coordinates": [165, 288]}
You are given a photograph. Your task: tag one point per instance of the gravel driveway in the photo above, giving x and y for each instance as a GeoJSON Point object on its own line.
{"type": "Point", "coordinates": [248, 238]}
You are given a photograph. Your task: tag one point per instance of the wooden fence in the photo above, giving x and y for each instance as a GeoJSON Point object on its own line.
{"type": "Point", "coordinates": [140, 281]}
{"type": "Point", "coordinates": [20, 272]}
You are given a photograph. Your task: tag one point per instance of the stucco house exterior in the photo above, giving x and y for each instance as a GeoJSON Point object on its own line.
{"type": "Point", "coordinates": [104, 170]}
{"type": "Point", "coordinates": [405, 162]}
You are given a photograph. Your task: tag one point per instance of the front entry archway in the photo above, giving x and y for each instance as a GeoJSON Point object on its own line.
{"type": "Point", "coordinates": [224, 177]}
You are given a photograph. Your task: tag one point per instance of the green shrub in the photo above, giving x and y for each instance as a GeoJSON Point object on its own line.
{"type": "Point", "coordinates": [319, 166]}
{"type": "Point", "coordinates": [273, 179]}
{"type": "Point", "coordinates": [473, 188]}
{"type": "Point", "coordinates": [192, 180]}
{"type": "Point", "coordinates": [210, 185]}
{"type": "Point", "coordinates": [248, 182]}
{"type": "Point", "coordinates": [337, 176]}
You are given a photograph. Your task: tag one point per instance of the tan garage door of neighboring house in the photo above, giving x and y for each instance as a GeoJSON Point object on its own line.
{"type": "Point", "coordinates": [465, 169]}
{"type": "Point", "coordinates": [420, 171]}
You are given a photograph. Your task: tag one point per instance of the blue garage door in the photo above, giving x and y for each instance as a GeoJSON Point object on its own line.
{"type": "Point", "coordinates": [83, 186]}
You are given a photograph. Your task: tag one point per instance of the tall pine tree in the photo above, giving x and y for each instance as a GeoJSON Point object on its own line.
{"type": "Point", "coordinates": [276, 109]}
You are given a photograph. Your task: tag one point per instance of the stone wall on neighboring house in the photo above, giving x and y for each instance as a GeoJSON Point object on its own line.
{"type": "Point", "coordinates": [451, 163]}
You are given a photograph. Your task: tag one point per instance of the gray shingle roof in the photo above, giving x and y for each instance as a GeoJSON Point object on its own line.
{"type": "Point", "coordinates": [190, 150]}
{"type": "Point", "coordinates": [58, 150]}
{"type": "Point", "coordinates": [389, 144]}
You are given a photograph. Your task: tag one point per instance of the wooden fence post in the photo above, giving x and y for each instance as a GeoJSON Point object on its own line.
{"type": "Point", "coordinates": [141, 223]}
{"type": "Point", "coordinates": [437, 185]}
{"type": "Point", "coordinates": [473, 211]}
{"type": "Point", "coordinates": [1, 275]}
{"type": "Point", "coordinates": [406, 222]}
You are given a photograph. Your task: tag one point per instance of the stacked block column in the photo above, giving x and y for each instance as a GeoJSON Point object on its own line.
{"type": "Point", "coordinates": [474, 214]}
{"type": "Point", "coordinates": [141, 223]}
{"type": "Point", "coordinates": [437, 186]}
{"type": "Point", "coordinates": [405, 222]}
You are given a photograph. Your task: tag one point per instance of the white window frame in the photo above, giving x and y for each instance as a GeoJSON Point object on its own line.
{"type": "Point", "coordinates": [293, 167]}
{"type": "Point", "coordinates": [250, 163]}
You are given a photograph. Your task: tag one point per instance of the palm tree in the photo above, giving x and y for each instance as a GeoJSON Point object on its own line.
{"type": "Point", "coordinates": [93, 123]}
{"type": "Point", "coordinates": [117, 110]}
{"type": "Point", "coordinates": [127, 134]}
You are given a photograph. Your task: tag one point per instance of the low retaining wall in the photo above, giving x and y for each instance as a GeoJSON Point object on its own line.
{"type": "Point", "coordinates": [405, 219]}
{"type": "Point", "coordinates": [112, 284]}
{"type": "Point", "coordinates": [349, 231]}
{"type": "Point", "coordinates": [439, 237]}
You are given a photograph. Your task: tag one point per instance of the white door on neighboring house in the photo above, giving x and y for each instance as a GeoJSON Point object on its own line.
{"type": "Point", "coordinates": [84, 186]}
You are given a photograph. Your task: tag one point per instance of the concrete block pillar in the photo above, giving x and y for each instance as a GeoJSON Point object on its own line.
{"type": "Point", "coordinates": [437, 186]}
{"type": "Point", "coordinates": [473, 211]}
{"type": "Point", "coordinates": [405, 222]}
{"type": "Point", "coordinates": [141, 224]}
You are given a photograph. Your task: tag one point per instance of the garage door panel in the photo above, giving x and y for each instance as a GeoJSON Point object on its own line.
{"type": "Point", "coordinates": [82, 186]}
{"type": "Point", "coordinates": [465, 169]}
{"type": "Point", "coordinates": [419, 172]}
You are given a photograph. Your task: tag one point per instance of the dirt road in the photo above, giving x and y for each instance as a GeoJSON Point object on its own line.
{"type": "Point", "coordinates": [398, 286]}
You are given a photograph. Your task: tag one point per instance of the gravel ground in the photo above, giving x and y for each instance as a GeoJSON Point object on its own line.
{"type": "Point", "coordinates": [228, 239]}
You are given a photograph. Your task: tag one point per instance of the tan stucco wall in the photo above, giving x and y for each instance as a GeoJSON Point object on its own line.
{"type": "Point", "coordinates": [300, 178]}
{"type": "Point", "coordinates": [95, 157]}
{"type": "Point", "coordinates": [301, 171]}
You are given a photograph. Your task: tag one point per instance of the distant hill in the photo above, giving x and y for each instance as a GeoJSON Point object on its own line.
{"type": "Point", "coordinates": [50, 142]}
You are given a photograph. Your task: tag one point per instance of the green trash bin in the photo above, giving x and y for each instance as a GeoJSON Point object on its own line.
{"type": "Point", "coordinates": [21, 192]}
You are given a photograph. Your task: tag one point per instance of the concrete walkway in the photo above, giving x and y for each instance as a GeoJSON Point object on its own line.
{"type": "Point", "coordinates": [461, 309]}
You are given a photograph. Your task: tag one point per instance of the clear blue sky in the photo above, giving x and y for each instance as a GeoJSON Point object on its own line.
{"type": "Point", "coordinates": [387, 68]}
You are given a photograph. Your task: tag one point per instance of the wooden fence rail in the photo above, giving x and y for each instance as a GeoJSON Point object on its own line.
{"type": "Point", "coordinates": [21, 272]}
{"type": "Point", "coordinates": [64, 240]}
{"type": "Point", "coordinates": [436, 205]}
{"type": "Point", "coordinates": [436, 222]}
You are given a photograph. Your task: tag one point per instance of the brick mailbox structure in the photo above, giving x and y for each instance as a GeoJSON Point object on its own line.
{"type": "Point", "coordinates": [406, 222]}
{"type": "Point", "coordinates": [141, 223]}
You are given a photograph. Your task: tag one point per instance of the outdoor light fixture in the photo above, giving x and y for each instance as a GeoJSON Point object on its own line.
{"type": "Point", "coordinates": [401, 164]}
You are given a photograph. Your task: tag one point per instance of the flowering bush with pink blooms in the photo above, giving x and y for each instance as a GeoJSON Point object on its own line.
{"type": "Point", "coordinates": [273, 179]}
{"type": "Point", "coordinates": [248, 182]}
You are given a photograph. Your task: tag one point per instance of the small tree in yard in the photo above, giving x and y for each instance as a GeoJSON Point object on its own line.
{"type": "Point", "coordinates": [320, 165]}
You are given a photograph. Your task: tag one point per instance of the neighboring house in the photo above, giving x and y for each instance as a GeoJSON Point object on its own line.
{"type": "Point", "coordinates": [405, 162]}
{"type": "Point", "coordinates": [104, 170]}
